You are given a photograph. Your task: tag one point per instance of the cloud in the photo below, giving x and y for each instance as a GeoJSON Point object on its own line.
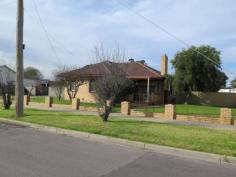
{"type": "Point", "coordinates": [75, 27]}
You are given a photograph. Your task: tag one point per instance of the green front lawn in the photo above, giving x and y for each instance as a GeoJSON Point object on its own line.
{"type": "Point", "coordinates": [37, 99]}
{"type": "Point", "coordinates": [197, 110]}
{"type": "Point", "coordinates": [115, 108]}
{"type": "Point", "coordinates": [234, 113]}
{"type": "Point", "coordinates": [61, 101]}
{"type": "Point", "coordinates": [41, 99]}
{"type": "Point", "coordinates": [151, 109]}
{"type": "Point", "coordinates": [186, 110]}
{"type": "Point", "coordinates": [186, 137]}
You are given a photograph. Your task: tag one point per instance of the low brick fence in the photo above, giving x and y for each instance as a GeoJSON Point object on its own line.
{"type": "Point", "coordinates": [86, 108]}
{"type": "Point", "coordinates": [198, 118]}
{"type": "Point", "coordinates": [225, 117]}
{"type": "Point", "coordinates": [141, 114]}
{"type": "Point", "coordinates": [48, 103]}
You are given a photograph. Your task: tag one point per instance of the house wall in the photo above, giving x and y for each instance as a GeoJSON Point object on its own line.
{"type": "Point", "coordinates": [86, 96]}
{"type": "Point", "coordinates": [83, 94]}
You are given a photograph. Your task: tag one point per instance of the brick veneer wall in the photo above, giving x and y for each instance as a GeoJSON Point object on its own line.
{"type": "Point", "coordinates": [75, 103]}
{"type": "Point", "coordinates": [61, 106]}
{"type": "Point", "coordinates": [48, 101]}
{"type": "Point", "coordinates": [159, 115]}
{"type": "Point", "coordinates": [170, 112]}
{"type": "Point", "coordinates": [26, 100]}
{"type": "Point", "coordinates": [125, 108]}
{"type": "Point", "coordinates": [85, 108]}
{"type": "Point", "coordinates": [140, 113]}
{"type": "Point", "coordinates": [197, 118]}
{"type": "Point", "coordinates": [225, 117]}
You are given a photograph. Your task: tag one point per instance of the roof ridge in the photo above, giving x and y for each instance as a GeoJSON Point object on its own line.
{"type": "Point", "coordinates": [103, 63]}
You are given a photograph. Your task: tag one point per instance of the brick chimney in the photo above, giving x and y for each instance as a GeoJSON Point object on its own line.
{"type": "Point", "coordinates": [164, 65]}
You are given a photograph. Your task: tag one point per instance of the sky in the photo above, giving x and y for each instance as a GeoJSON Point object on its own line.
{"type": "Point", "coordinates": [75, 27]}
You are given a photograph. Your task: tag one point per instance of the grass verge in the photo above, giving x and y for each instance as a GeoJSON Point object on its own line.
{"type": "Point", "coordinates": [186, 137]}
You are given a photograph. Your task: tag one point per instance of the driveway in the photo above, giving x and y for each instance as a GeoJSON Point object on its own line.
{"type": "Point", "coordinates": [26, 152]}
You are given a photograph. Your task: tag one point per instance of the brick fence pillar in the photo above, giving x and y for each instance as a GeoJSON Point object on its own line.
{"type": "Point", "coordinates": [170, 112]}
{"type": "Point", "coordinates": [26, 100]}
{"type": "Point", "coordinates": [108, 103]}
{"type": "Point", "coordinates": [125, 108]}
{"type": "Point", "coordinates": [48, 101]}
{"type": "Point", "coordinates": [225, 116]}
{"type": "Point", "coordinates": [75, 103]}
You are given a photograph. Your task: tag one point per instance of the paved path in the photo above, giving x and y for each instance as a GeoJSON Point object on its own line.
{"type": "Point", "coordinates": [119, 115]}
{"type": "Point", "coordinates": [26, 152]}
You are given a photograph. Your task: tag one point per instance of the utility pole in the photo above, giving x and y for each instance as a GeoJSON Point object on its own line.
{"type": "Point", "coordinates": [19, 86]}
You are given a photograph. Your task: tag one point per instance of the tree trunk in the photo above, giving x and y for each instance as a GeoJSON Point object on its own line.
{"type": "Point", "coordinates": [6, 100]}
{"type": "Point", "coordinates": [106, 113]}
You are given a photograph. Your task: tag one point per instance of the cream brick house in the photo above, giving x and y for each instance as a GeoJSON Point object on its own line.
{"type": "Point", "coordinates": [149, 83]}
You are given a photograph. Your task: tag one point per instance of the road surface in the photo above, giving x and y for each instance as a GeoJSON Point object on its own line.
{"type": "Point", "coordinates": [26, 152]}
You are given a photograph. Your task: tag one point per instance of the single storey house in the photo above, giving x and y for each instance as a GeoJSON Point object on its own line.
{"type": "Point", "coordinates": [149, 83]}
{"type": "Point", "coordinates": [36, 87]}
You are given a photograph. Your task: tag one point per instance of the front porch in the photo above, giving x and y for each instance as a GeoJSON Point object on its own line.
{"type": "Point", "coordinates": [148, 91]}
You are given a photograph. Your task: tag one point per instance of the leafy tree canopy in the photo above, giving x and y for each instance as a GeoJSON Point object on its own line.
{"type": "Point", "coordinates": [32, 73]}
{"type": "Point", "coordinates": [233, 83]}
{"type": "Point", "coordinates": [195, 72]}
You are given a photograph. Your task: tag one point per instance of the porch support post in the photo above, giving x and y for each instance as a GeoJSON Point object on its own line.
{"type": "Point", "coordinates": [148, 90]}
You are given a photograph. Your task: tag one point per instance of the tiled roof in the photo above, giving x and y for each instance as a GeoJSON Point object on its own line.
{"type": "Point", "coordinates": [131, 70]}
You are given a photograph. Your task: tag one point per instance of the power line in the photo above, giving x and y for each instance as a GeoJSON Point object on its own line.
{"type": "Point", "coordinates": [45, 30]}
{"type": "Point", "coordinates": [62, 46]}
{"type": "Point", "coordinates": [126, 5]}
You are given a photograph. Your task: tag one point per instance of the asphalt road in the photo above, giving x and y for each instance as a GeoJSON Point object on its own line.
{"type": "Point", "coordinates": [26, 152]}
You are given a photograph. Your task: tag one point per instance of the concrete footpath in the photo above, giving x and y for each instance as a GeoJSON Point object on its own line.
{"type": "Point", "coordinates": [148, 119]}
{"type": "Point", "coordinates": [220, 159]}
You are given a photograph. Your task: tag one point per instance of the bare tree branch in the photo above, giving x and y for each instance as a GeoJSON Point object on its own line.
{"type": "Point", "coordinates": [110, 86]}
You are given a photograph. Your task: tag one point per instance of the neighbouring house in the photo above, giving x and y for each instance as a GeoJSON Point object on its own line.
{"type": "Point", "coordinates": [7, 79]}
{"type": "Point", "coordinates": [56, 90]}
{"type": "Point", "coordinates": [36, 87]}
{"type": "Point", "coordinates": [228, 90]}
{"type": "Point", "coordinates": [7, 74]}
{"type": "Point", "coordinates": [149, 83]}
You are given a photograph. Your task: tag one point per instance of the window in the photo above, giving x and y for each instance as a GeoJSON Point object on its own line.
{"type": "Point", "coordinates": [92, 86]}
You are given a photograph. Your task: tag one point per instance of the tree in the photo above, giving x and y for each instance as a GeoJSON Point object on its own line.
{"type": "Point", "coordinates": [66, 77]}
{"type": "Point", "coordinates": [58, 83]}
{"type": "Point", "coordinates": [168, 84]}
{"type": "Point", "coordinates": [6, 88]}
{"type": "Point", "coordinates": [195, 72]}
{"type": "Point", "coordinates": [108, 88]}
{"type": "Point", "coordinates": [233, 83]}
{"type": "Point", "coordinates": [32, 73]}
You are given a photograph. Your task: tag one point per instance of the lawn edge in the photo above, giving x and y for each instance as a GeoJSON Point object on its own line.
{"type": "Point", "coordinates": [196, 155]}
